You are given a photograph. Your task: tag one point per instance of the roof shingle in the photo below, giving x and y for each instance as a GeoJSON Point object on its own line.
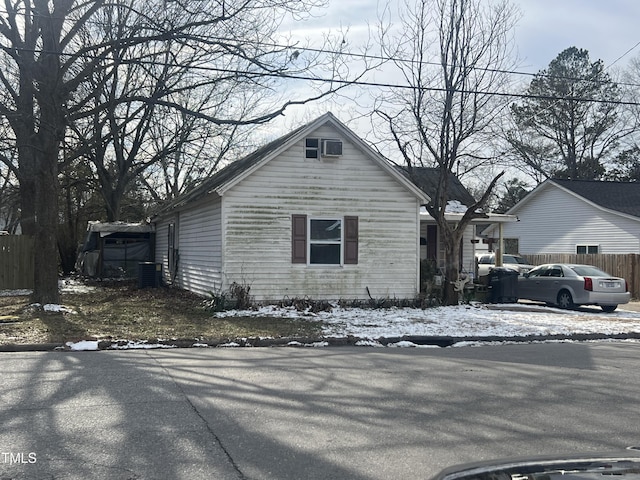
{"type": "Point", "coordinates": [623, 197]}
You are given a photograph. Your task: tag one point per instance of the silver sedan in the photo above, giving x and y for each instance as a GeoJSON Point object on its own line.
{"type": "Point", "coordinates": [568, 286]}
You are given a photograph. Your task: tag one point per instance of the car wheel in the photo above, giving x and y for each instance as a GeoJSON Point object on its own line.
{"type": "Point", "coordinates": [565, 300]}
{"type": "Point", "coordinates": [608, 308]}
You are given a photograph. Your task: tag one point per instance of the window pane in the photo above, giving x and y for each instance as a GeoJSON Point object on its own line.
{"type": "Point", "coordinates": [581, 249]}
{"type": "Point", "coordinates": [325, 254]}
{"type": "Point", "coordinates": [311, 147]}
{"type": "Point", "coordinates": [592, 249]}
{"type": "Point", "coordinates": [326, 230]}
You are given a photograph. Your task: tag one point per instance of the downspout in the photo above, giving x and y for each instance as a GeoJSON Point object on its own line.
{"type": "Point", "coordinates": [500, 245]}
{"type": "Point", "coordinates": [419, 262]}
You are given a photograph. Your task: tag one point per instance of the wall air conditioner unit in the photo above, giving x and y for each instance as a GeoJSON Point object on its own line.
{"type": "Point", "coordinates": [331, 148]}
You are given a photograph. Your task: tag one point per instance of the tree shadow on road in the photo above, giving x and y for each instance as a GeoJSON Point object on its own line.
{"type": "Point", "coordinates": [284, 413]}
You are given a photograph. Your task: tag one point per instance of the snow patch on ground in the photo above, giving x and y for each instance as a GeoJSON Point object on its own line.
{"type": "Point", "coordinates": [83, 345]}
{"type": "Point", "coordinates": [138, 345]}
{"type": "Point", "coordinates": [474, 320]}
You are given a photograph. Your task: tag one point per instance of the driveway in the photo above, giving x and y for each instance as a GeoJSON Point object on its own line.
{"type": "Point", "coordinates": [313, 413]}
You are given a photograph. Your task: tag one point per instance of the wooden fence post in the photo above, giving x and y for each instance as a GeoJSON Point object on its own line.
{"type": "Point", "coordinates": [16, 262]}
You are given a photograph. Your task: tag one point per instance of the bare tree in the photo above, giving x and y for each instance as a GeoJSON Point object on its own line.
{"type": "Point", "coordinates": [452, 56]}
{"type": "Point", "coordinates": [58, 62]}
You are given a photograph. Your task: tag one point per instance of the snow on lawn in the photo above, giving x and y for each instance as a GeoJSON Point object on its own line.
{"type": "Point", "coordinates": [475, 320]}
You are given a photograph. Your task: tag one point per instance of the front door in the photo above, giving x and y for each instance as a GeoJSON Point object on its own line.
{"type": "Point", "coordinates": [432, 242]}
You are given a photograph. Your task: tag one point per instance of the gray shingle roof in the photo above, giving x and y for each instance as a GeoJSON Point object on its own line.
{"type": "Point", "coordinates": [427, 180]}
{"type": "Point", "coordinates": [622, 197]}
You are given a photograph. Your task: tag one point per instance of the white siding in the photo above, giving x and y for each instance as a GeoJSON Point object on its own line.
{"type": "Point", "coordinates": [199, 244]}
{"type": "Point", "coordinates": [200, 247]}
{"type": "Point", "coordinates": [257, 221]}
{"type": "Point", "coordinates": [555, 222]}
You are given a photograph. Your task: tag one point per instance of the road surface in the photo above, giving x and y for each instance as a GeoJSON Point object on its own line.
{"type": "Point", "coordinates": [312, 413]}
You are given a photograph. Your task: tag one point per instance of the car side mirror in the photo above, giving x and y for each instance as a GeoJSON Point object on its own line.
{"type": "Point", "coordinates": [525, 274]}
{"type": "Point", "coordinates": [623, 466]}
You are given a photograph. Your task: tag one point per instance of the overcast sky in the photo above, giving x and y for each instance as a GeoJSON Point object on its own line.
{"type": "Point", "coordinates": [608, 29]}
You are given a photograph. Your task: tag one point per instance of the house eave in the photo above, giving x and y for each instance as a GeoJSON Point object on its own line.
{"type": "Point", "coordinates": [492, 218]}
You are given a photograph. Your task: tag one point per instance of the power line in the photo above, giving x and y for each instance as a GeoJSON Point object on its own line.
{"type": "Point", "coordinates": [282, 74]}
{"type": "Point", "coordinates": [624, 55]}
{"type": "Point", "coordinates": [368, 56]}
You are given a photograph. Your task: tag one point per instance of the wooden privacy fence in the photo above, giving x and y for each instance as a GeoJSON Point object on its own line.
{"type": "Point", "coordinates": [626, 265]}
{"type": "Point", "coordinates": [16, 262]}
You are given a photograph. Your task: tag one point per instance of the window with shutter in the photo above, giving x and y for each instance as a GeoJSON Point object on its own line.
{"type": "Point", "coordinates": [325, 241]}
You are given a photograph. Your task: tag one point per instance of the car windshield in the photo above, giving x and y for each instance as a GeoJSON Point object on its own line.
{"type": "Point", "coordinates": [514, 259]}
{"type": "Point", "coordinates": [588, 271]}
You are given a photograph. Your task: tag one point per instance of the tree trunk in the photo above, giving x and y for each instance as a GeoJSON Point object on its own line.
{"type": "Point", "coordinates": [46, 209]}
{"type": "Point", "coordinates": [452, 270]}
{"type": "Point", "coordinates": [28, 189]}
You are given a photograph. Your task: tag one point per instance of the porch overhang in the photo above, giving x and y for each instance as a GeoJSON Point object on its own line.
{"type": "Point", "coordinates": [490, 218]}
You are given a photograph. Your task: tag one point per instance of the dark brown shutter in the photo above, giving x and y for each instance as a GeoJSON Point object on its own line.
{"type": "Point", "coordinates": [350, 240]}
{"type": "Point", "coordinates": [298, 239]}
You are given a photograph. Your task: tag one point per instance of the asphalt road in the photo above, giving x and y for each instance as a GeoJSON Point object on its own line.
{"type": "Point", "coordinates": [310, 413]}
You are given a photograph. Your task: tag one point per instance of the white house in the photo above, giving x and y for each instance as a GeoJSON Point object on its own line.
{"type": "Point", "coordinates": [316, 213]}
{"type": "Point", "coordinates": [573, 216]}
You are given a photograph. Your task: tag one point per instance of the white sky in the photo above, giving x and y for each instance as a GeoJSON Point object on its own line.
{"type": "Point", "coordinates": [607, 29]}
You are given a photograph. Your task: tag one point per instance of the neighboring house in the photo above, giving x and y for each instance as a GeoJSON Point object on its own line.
{"type": "Point", "coordinates": [574, 216]}
{"type": "Point", "coordinates": [316, 213]}
{"type": "Point", "coordinates": [431, 244]}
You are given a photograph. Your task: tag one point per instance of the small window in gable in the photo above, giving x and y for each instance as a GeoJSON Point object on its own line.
{"type": "Point", "coordinates": [312, 148]}
{"type": "Point", "coordinates": [587, 249]}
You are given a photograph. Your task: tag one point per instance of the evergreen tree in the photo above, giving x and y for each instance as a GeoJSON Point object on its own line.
{"type": "Point", "coordinates": [566, 124]}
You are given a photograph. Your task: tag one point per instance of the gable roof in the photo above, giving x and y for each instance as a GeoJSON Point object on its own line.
{"type": "Point", "coordinates": [427, 180]}
{"type": "Point", "coordinates": [233, 173]}
{"type": "Point", "coordinates": [623, 197]}
{"type": "Point", "coordinates": [618, 197]}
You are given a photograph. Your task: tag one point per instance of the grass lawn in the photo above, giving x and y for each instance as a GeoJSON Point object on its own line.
{"type": "Point", "coordinates": [121, 311]}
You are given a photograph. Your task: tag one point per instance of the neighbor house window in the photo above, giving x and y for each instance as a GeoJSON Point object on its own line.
{"type": "Point", "coordinates": [312, 148]}
{"type": "Point", "coordinates": [587, 249]}
{"type": "Point", "coordinates": [324, 241]}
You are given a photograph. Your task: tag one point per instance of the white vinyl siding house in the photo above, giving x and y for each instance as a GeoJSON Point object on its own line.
{"type": "Point", "coordinates": [361, 217]}
{"type": "Point", "coordinates": [557, 218]}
